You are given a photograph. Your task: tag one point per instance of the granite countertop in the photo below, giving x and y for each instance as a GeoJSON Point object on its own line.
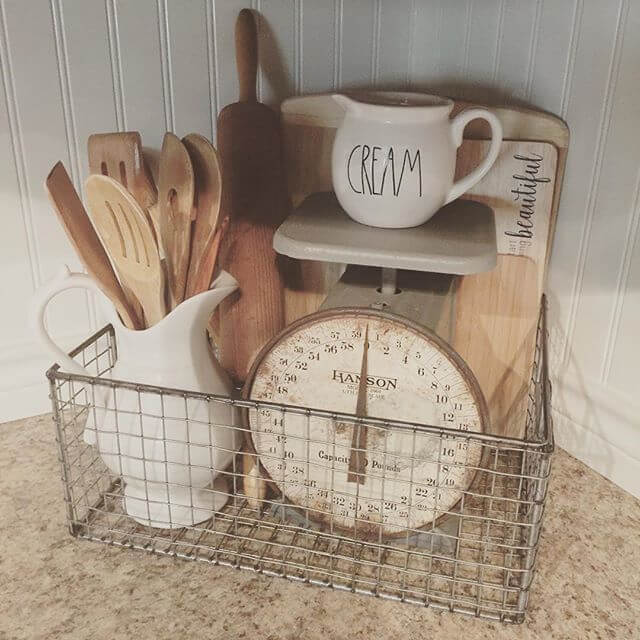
{"type": "Point", "coordinates": [54, 586]}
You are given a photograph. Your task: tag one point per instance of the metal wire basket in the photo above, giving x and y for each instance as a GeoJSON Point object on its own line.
{"type": "Point", "coordinates": [476, 557]}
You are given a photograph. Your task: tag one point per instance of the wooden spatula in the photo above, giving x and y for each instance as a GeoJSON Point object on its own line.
{"type": "Point", "coordinates": [208, 187]}
{"type": "Point", "coordinates": [119, 156]}
{"type": "Point", "coordinates": [254, 197]}
{"type": "Point", "coordinates": [85, 241]}
{"type": "Point", "coordinates": [175, 208]}
{"type": "Point", "coordinates": [129, 238]}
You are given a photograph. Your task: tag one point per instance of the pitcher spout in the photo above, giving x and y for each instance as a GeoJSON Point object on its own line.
{"type": "Point", "coordinates": [201, 306]}
{"type": "Point", "coordinates": [224, 285]}
{"type": "Point", "coordinates": [348, 104]}
{"type": "Point", "coordinates": [191, 315]}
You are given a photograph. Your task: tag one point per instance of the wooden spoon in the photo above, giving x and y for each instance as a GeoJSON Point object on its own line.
{"type": "Point", "coordinates": [85, 241]}
{"type": "Point", "coordinates": [205, 275]}
{"type": "Point", "coordinates": [208, 186]}
{"type": "Point", "coordinates": [128, 235]}
{"type": "Point", "coordinates": [175, 206]}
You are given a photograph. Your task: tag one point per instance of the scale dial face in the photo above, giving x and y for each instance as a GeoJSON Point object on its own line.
{"type": "Point", "coordinates": [409, 477]}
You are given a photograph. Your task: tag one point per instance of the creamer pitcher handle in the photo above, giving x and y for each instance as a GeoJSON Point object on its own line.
{"type": "Point", "coordinates": [457, 129]}
{"type": "Point", "coordinates": [66, 279]}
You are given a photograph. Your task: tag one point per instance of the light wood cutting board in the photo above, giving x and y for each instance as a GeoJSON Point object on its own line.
{"type": "Point", "coordinates": [496, 312]}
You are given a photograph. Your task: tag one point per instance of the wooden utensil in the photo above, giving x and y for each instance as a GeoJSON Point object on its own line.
{"type": "Point", "coordinates": [119, 156]}
{"type": "Point", "coordinates": [208, 188]}
{"type": "Point", "coordinates": [85, 241]}
{"type": "Point", "coordinates": [175, 210]}
{"type": "Point", "coordinates": [129, 238]}
{"type": "Point", "coordinates": [204, 277]}
{"type": "Point", "coordinates": [254, 197]}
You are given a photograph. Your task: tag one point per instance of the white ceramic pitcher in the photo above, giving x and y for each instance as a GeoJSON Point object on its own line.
{"type": "Point", "coordinates": [394, 156]}
{"type": "Point", "coordinates": [164, 447]}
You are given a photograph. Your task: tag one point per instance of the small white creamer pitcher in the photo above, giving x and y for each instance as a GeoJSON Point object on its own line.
{"type": "Point", "coordinates": [394, 156]}
{"type": "Point", "coordinates": [168, 449]}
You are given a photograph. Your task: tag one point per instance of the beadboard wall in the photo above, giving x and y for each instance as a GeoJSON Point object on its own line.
{"type": "Point", "coordinates": [72, 67]}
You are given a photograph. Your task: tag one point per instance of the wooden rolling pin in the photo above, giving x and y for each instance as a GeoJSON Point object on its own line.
{"type": "Point", "coordinates": [254, 197]}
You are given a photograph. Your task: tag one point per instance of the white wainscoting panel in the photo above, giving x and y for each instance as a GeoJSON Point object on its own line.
{"type": "Point", "coordinates": [72, 67]}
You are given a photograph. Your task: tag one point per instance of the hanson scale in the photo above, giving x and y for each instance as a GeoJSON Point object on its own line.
{"type": "Point", "coordinates": [379, 349]}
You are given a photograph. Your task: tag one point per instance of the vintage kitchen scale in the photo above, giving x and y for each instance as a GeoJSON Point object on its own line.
{"type": "Point", "coordinates": [412, 291]}
{"type": "Point", "coordinates": [379, 347]}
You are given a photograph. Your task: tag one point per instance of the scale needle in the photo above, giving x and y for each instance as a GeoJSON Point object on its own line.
{"type": "Point", "coordinates": [357, 458]}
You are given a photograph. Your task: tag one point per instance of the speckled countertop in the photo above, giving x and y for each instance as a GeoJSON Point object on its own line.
{"type": "Point", "coordinates": [53, 586]}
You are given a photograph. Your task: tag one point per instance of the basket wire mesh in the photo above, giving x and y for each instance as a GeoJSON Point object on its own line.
{"type": "Point", "coordinates": [476, 557]}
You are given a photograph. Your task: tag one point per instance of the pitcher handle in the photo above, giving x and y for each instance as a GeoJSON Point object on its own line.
{"type": "Point", "coordinates": [66, 279]}
{"type": "Point", "coordinates": [458, 125]}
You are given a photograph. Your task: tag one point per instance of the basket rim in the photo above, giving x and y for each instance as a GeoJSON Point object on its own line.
{"type": "Point", "coordinates": [544, 445]}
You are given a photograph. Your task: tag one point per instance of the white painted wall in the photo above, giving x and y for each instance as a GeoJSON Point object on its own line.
{"type": "Point", "coordinates": [70, 67]}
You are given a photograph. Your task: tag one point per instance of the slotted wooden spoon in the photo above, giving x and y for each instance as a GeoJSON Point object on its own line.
{"type": "Point", "coordinates": [85, 241]}
{"type": "Point", "coordinates": [129, 238]}
{"type": "Point", "coordinates": [175, 209]}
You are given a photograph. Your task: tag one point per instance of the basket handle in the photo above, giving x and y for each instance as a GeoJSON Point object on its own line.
{"type": "Point", "coordinates": [66, 279]}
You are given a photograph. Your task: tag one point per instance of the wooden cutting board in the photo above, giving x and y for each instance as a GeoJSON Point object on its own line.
{"type": "Point", "coordinates": [496, 312]}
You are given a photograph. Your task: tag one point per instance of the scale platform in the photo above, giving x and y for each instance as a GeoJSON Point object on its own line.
{"type": "Point", "coordinates": [419, 266]}
{"type": "Point", "coordinates": [459, 240]}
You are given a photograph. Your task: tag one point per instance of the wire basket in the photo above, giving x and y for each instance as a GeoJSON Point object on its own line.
{"type": "Point", "coordinates": [476, 556]}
